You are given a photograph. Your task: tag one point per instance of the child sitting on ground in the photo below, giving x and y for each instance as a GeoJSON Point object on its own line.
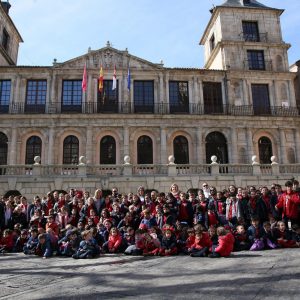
{"type": "Point", "coordinates": [168, 244]}
{"type": "Point", "coordinates": [32, 242]}
{"type": "Point", "coordinates": [283, 236]}
{"type": "Point", "coordinates": [21, 241]}
{"type": "Point", "coordinates": [241, 239]}
{"type": "Point", "coordinates": [44, 248]}
{"type": "Point", "coordinates": [226, 242]}
{"type": "Point", "coordinates": [7, 241]}
{"type": "Point", "coordinates": [88, 247]}
{"type": "Point", "coordinates": [201, 245]}
{"type": "Point", "coordinates": [114, 243]}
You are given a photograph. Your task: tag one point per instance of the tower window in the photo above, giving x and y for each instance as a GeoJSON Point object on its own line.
{"type": "Point", "coordinates": [5, 39]}
{"type": "Point", "coordinates": [212, 43]}
{"type": "Point", "coordinates": [250, 31]}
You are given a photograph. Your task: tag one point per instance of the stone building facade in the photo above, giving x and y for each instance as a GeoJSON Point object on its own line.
{"type": "Point", "coordinates": [241, 104]}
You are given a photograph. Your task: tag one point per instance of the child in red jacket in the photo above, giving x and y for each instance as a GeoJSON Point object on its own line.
{"type": "Point", "coordinates": [7, 241]}
{"type": "Point", "coordinates": [226, 243]}
{"type": "Point", "coordinates": [114, 243]}
{"type": "Point", "coordinates": [201, 245]}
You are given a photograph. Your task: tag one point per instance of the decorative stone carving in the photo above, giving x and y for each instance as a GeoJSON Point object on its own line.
{"type": "Point", "coordinates": [171, 160]}
{"type": "Point", "coordinates": [273, 160]}
{"type": "Point", "coordinates": [37, 160]}
{"type": "Point", "coordinates": [254, 162]}
{"type": "Point", "coordinates": [214, 160]}
{"type": "Point", "coordinates": [81, 161]}
{"type": "Point", "coordinates": [126, 160]}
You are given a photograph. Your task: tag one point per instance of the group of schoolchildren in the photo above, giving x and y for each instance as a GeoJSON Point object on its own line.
{"type": "Point", "coordinates": [203, 223]}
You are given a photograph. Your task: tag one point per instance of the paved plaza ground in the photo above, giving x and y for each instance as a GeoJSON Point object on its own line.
{"type": "Point", "coordinates": [245, 275]}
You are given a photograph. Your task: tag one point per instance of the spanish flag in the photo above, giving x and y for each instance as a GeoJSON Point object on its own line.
{"type": "Point", "coordinates": [101, 78]}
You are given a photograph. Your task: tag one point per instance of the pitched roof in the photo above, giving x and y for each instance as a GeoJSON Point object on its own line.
{"type": "Point", "coordinates": [244, 3]}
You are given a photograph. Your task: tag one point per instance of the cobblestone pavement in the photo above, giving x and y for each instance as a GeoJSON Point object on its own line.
{"type": "Point", "coordinates": [245, 275]}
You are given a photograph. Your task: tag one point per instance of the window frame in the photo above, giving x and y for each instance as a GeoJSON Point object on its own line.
{"type": "Point", "coordinates": [5, 93]}
{"type": "Point", "coordinates": [256, 60]}
{"type": "Point", "coordinates": [71, 156]}
{"type": "Point", "coordinates": [71, 96]}
{"type": "Point", "coordinates": [143, 96]}
{"type": "Point", "coordinates": [250, 31]}
{"type": "Point", "coordinates": [36, 95]}
{"type": "Point", "coordinates": [33, 149]}
{"type": "Point", "coordinates": [177, 103]}
{"type": "Point", "coordinates": [110, 103]}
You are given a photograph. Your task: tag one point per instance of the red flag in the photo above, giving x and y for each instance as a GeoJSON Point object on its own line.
{"type": "Point", "coordinates": [84, 79]}
{"type": "Point", "coordinates": [101, 78]}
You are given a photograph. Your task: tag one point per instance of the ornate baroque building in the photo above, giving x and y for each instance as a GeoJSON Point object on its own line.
{"type": "Point", "coordinates": [241, 104]}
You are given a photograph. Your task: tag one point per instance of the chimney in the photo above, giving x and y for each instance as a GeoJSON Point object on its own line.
{"type": "Point", "coordinates": [6, 6]}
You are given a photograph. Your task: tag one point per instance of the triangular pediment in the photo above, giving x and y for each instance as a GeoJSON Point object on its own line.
{"type": "Point", "coordinates": [109, 57]}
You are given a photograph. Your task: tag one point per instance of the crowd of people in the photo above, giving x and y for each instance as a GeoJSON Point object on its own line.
{"type": "Point", "coordinates": [205, 222]}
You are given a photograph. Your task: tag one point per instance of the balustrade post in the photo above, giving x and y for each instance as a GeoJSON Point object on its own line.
{"type": "Point", "coordinates": [172, 170]}
{"type": "Point", "coordinates": [81, 167]}
{"type": "Point", "coordinates": [215, 169]}
{"type": "Point", "coordinates": [36, 167]}
{"type": "Point", "coordinates": [127, 167]}
{"type": "Point", "coordinates": [255, 167]}
{"type": "Point", "coordinates": [275, 166]}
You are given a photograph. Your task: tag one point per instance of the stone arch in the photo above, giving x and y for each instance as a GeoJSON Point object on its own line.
{"type": "Point", "coordinates": [60, 146]}
{"type": "Point", "coordinates": [70, 150]}
{"type": "Point", "coordinates": [279, 63]}
{"type": "Point", "coordinates": [291, 156]}
{"type": "Point", "coordinates": [99, 137]}
{"type": "Point", "coordinates": [270, 135]}
{"type": "Point", "coordinates": [181, 149]}
{"type": "Point", "coordinates": [216, 144]}
{"type": "Point", "coordinates": [34, 146]}
{"type": "Point", "coordinates": [265, 150]}
{"type": "Point", "coordinates": [283, 93]}
{"type": "Point", "coordinates": [24, 138]}
{"type": "Point", "coordinates": [144, 150]}
{"type": "Point", "coordinates": [242, 154]}
{"type": "Point", "coordinates": [3, 148]}
{"type": "Point", "coordinates": [134, 140]}
{"type": "Point", "coordinates": [173, 135]}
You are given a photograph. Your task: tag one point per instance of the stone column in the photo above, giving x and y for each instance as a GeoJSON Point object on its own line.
{"type": "Point", "coordinates": [246, 100]}
{"type": "Point", "coordinates": [89, 146]}
{"type": "Point", "coordinates": [48, 97]}
{"type": "Point", "coordinates": [283, 153]}
{"type": "Point", "coordinates": [51, 146]}
{"type": "Point", "coordinates": [199, 146]}
{"type": "Point", "coordinates": [297, 145]}
{"type": "Point", "coordinates": [161, 88]}
{"type": "Point", "coordinates": [234, 155]}
{"type": "Point", "coordinates": [13, 146]}
{"type": "Point", "coordinates": [163, 145]}
{"type": "Point", "coordinates": [250, 143]}
{"type": "Point", "coordinates": [126, 142]}
{"type": "Point", "coordinates": [292, 95]}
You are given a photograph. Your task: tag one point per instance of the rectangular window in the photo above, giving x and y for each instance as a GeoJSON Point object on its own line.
{"type": "Point", "coordinates": [108, 99]}
{"type": "Point", "coordinates": [179, 97]}
{"type": "Point", "coordinates": [36, 94]}
{"type": "Point", "coordinates": [256, 60]}
{"type": "Point", "coordinates": [250, 31]}
{"type": "Point", "coordinates": [260, 99]}
{"type": "Point", "coordinates": [5, 86]}
{"type": "Point", "coordinates": [5, 39]}
{"type": "Point", "coordinates": [71, 96]}
{"type": "Point", "coordinates": [144, 96]}
{"type": "Point", "coordinates": [213, 101]}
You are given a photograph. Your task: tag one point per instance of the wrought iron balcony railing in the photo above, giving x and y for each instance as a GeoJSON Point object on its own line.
{"type": "Point", "coordinates": [155, 108]}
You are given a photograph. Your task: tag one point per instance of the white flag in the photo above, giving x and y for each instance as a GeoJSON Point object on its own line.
{"type": "Point", "coordinates": [114, 85]}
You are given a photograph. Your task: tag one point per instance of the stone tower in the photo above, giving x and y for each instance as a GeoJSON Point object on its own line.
{"type": "Point", "coordinates": [10, 38]}
{"type": "Point", "coordinates": [245, 35]}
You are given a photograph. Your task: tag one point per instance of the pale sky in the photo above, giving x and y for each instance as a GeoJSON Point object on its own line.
{"type": "Point", "coordinates": [155, 30]}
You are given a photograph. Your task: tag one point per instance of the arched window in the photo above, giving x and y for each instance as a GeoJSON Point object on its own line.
{"type": "Point", "coordinates": [265, 150]}
{"type": "Point", "coordinates": [33, 148]}
{"type": "Point", "coordinates": [71, 150]}
{"type": "Point", "coordinates": [3, 149]}
{"type": "Point", "coordinates": [216, 144]}
{"type": "Point", "coordinates": [242, 156]}
{"type": "Point", "coordinates": [181, 150]}
{"type": "Point", "coordinates": [279, 63]}
{"type": "Point", "coordinates": [291, 156]}
{"type": "Point", "coordinates": [144, 150]}
{"type": "Point", "coordinates": [107, 150]}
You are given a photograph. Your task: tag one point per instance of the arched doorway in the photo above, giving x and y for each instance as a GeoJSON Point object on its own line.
{"type": "Point", "coordinates": [33, 148]}
{"type": "Point", "coordinates": [144, 150]}
{"type": "Point", "coordinates": [71, 150]}
{"type": "Point", "coordinates": [3, 149]}
{"type": "Point", "coordinates": [107, 150]}
{"type": "Point", "coordinates": [265, 150]}
{"type": "Point", "coordinates": [181, 150]}
{"type": "Point", "coordinates": [216, 144]}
